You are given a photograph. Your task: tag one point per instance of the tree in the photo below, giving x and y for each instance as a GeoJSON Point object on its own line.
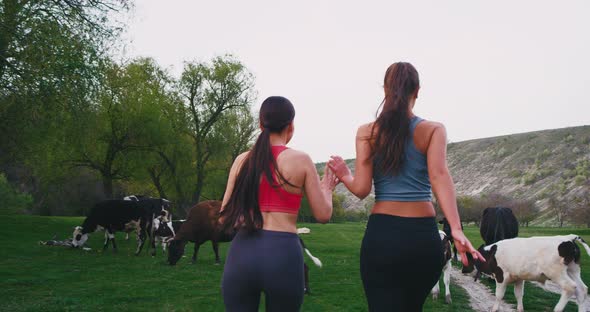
{"type": "Point", "coordinates": [127, 121]}
{"type": "Point", "coordinates": [580, 213]}
{"type": "Point", "coordinates": [525, 211]}
{"type": "Point", "coordinates": [210, 92]}
{"type": "Point", "coordinates": [560, 207]}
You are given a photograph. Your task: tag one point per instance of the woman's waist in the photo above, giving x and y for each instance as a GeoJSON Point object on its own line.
{"type": "Point", "coordinates": [405, 208]}
{"type": "Point", "coordinates": [279, 222]}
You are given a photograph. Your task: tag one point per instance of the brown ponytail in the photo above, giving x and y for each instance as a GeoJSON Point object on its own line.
{"type": "Point", "coordinates": [242, 209]}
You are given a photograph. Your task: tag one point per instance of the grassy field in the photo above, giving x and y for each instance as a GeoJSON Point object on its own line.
{"type": "Point", "coordinates": [49, 278]}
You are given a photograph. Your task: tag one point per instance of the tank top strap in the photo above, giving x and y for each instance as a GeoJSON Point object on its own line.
{"type": "Point", "coordinates": [414, 122]}
{"type": "Point", "coordinates": [277, 149]}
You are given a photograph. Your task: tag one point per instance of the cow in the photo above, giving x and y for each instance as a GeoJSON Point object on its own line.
{"type": "Point", "coordinates": [121, 215]}
{"type": "Point", "coordinates": [498, 223]}
{"type": "Point", "coordinates": [538, 258]}
{"type": "Point", "coordinates": [449, 234]}
{"type": "Point", "coordinates": [132, 198]}
{"type": "Point", "coordinates": [165, 231]}
{"type": "Point", "coordinates": [201, 225]}
{"type": "Point", "coordinates": [446, 242]}
{"type": "Point", "coordinates": [315, 260]}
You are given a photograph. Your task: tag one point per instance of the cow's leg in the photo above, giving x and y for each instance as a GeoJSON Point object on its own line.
{"type": "Point", "coordinates": [216, 250]}
{"type": "Point", "coordinates": [581, 288]}
{"type": "Point", "coordinates": [195, 252]}
{"type": "Point", "coordinates": [141, 236]}
{"type": "Point", "coordinates": [455, 253]}
{"type": "Point", "coordinates": [519, 293]}
{"type": "Point", "coordinates": [106, 240]}
{"type": "Point", "coordinates": [152, 240]}
{"type": "Point", "coordinates": [126, 235]}
{"type": "Point", "coordinates": [447, 281]}
{"type": "Point", "coordinates": [500, 290]}
{"type": "Point", "coordinates": [306, 288]}
{"type": "Point", "coordinates": [568, 288]}
{"type": "Point", "coordinates": [435, 291]}
{"type": "Point", "coordinates": [112, 238]}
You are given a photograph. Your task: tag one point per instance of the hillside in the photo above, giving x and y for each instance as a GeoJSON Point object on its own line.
{"type": "Point", "coordinates": [531, 165]}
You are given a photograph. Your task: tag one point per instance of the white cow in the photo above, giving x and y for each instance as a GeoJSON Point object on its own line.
{"type": "Point", "coordinates": [539, 258]}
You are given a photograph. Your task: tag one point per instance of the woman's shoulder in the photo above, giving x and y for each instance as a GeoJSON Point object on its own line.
{"type": "Point", "coordinates": [296, 155]}
{"type": "Point", "coordinates": [430, 124]}
{"type": "Point", "coordinates": [365, 130]}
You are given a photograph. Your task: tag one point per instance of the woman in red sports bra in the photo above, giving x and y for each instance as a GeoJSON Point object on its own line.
{"type": "Point", "coordinates": [261, 202]}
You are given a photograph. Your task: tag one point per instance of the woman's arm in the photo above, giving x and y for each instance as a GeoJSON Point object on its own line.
{"type": "Point", "coordinates": [360, 183]}
{"type": "Point", "coordinates": [444, 190]}
{"type": "Point", "coordinates": [318, 192]}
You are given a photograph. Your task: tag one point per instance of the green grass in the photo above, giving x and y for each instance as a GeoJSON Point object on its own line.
{"type": "Point", "coordinates": [50, 278]}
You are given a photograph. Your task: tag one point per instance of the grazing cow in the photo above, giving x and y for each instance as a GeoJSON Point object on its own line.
{"type": "Point", "coordinates": [165, 231]}
{"type": "Point", "coordinates": [446, 242]}
{"type": "Point", "coordinates": [121, 215]}
{"type": "Point", "coordinates": [447, 229]}
{"type": "Point", "coordinates": [539, 258]}
{"type": "Point", "coordinates": [200, 226]}
{"type": "Point", "coordinates": [498, 223]}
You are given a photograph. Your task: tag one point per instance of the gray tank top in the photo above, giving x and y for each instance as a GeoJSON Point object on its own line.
{"type": "Point", "coordinates": [412, 182]}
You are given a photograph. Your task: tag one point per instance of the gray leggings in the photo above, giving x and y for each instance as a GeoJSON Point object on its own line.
{"type": "Point", "coordinates": [263, 261]}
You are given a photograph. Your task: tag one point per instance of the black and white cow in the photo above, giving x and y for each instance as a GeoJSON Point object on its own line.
{"type": "Point", "coordinates": [498, 223]}
{"type": "Point", "coordinates": [446, 242]}
{"type": "Point", "coordinates": [121, 215]}
{"type": "Point", "coordinates": [446, 227]}
{"type": "Point", "coordinates": [164, 231]}
{"type": "Point", "coordinates": [539, 258]}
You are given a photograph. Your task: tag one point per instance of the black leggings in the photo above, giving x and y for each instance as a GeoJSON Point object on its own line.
{"type": "Point", "coordinates": [263, 261]}
{"type": "Point", "coordinates": [401, 260]}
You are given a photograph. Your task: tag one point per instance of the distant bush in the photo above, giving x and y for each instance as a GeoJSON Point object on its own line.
{"type": "Point", "coordinates": [580, 179]}
{"type": "Point", "coordinates": [13, 202]}
{"type": "Point", "coordinates": [516, 173]}
{"type": "Point", "coordinates": [535, 175]}
{"type": "Point", "coordinates": [569, 138]}
{"type": "Point", "coordinates": [529, 178]}
{"type": "Point", "coordinates": [576, 150]}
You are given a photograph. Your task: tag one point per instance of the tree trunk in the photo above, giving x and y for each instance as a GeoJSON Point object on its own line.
{"type": "Point", "coordinates": [107, 184]}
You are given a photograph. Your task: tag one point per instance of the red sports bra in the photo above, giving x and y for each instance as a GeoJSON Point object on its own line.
{"type": "Point", "coordinates": [277, 199]}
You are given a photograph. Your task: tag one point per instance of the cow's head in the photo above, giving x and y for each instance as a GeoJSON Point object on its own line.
{"type": "Point", "coordinates": [165, 204]}
{"type": "Point", "coordinates": [490, 266]}
{"type": "Point", "coordinates": [79, 237]}
{"type": "Point", "coordinates": [175, 251]}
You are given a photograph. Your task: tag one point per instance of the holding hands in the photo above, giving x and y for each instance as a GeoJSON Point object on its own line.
{"type": "Point", "coordinates": [339, 167]}
{"type": "Point", "coordinates": [329, 180]}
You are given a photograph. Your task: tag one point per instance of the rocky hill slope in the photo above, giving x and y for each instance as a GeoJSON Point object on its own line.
{"type": "Point", "coordinates": [533, 165]}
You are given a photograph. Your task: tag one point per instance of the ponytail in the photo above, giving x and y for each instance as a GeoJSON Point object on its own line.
{"type": "Point", "coordinates": [242, 209]}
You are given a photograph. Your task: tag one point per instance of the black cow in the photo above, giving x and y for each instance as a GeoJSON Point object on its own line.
{"type": "Point", "coordinates": [122, 215]}
{"type": "Point", "coordinates": [498, 223]}
{"type": "Point", "coordinates": [447, 229]}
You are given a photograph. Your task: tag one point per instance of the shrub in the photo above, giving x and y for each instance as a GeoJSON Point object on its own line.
{"type": "Point", "coordinates": [13, 202]}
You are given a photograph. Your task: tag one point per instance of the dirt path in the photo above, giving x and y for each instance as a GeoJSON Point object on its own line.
{"type": "Point", "coordinates": [554, 288]}
{"type": "Point", "coordinates": [481, 298]}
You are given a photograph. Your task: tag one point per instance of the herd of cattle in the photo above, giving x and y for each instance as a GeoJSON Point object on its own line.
{"type": "Point", "coordinates": [150, 219]}
{"type": "Point", "coordinates": [509, 259]}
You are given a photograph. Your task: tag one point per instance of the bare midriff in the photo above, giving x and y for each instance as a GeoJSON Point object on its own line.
{"type": "Point", "coordinates": [404, 209]}
{"type": "Point", "coordinates": [279, 221]}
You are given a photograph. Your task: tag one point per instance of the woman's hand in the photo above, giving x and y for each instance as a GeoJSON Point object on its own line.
{"type": "Point", "coordinates": [329, 180]}
{"type": "Point", "coordinates": [339, 167]}
{"type": "Point", "coordinates": [464, 246]}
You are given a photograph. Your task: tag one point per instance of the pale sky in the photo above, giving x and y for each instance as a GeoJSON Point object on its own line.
{"type": "Point", "coordinates": [486, 69]}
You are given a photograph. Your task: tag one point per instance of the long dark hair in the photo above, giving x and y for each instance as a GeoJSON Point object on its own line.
{"type": "Point", "coordinates": [242, 209]}
{"type": "Point", "coordinates": [392, 127]}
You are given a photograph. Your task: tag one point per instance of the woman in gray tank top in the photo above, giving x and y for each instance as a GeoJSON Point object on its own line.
{"type": "Point", "coordinates": [404, 157]}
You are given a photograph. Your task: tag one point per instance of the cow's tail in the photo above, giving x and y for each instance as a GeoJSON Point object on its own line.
{"type": "Point", "coordinates": [315, 260]}
{"type": "Point", "coordinates": [583, 242]}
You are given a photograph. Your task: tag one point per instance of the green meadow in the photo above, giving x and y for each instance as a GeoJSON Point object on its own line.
{"type": "Point", "coordinates": [52, 278]}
